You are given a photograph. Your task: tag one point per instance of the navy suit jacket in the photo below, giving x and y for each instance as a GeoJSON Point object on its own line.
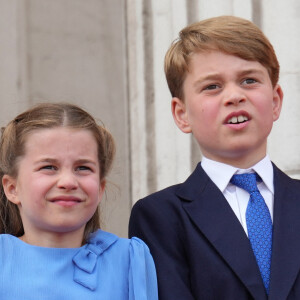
{"type": "Point", "coordinates": [201, 250]}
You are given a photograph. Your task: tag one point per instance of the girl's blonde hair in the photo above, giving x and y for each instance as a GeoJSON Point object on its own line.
{"type": "Point", "coordinates": [12, 148]}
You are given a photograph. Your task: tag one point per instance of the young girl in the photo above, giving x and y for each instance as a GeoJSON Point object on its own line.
{"type": "Point", "coordinates": [54, 159]}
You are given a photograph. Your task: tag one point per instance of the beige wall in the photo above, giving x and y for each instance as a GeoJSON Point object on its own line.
{"type": "Point", "coordinates": [173, 154]}
{"type": "Point", "coordinates": [107, 55]}
{"type": "Point", "coordinates": [74, 51]}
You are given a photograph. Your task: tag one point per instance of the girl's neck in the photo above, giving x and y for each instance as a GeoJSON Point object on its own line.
{"type": "Point", "coordinates": [54, 240]}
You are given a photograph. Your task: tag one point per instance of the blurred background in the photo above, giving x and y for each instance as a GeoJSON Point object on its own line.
{"type": "Point", "coordinates": [107, 56]}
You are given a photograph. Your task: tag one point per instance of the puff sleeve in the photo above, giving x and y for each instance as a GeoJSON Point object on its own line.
{"type": "Point", "coordinates": [142, 273]}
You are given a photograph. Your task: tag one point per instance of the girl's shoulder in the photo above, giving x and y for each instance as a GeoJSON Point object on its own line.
{"type": "Point", "coordinates": [104, 240]}
{"type": "Point", "coordinates": [112, 255]}
{"type": "Point", "coordinates": [8, 239]}
{"type": "Point", "coordinates": [5, 236]}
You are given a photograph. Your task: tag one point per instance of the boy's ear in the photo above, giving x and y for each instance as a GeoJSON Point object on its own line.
{"type": "Point", "coordinates": [277, 101]}
{"type": "Point", "coordinates": [10, 188]}
{"type": "Point", "coordinates": [180, 115]}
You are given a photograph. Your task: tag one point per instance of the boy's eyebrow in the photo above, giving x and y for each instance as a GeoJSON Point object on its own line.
{"type": "Point", "coordinates": [212, 76]}
{"type": "Point", "coordinates": [251, 71]}
{"type": "Point", "coordinates": [215, 76]}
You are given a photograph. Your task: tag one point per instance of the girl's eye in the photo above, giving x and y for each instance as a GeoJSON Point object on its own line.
{"type": "Point", "coordinates": [48, 167]}
{"type": "Point", "coordinates": [249, 81]}
{"type": "Point", "coordinates": [83, 168]}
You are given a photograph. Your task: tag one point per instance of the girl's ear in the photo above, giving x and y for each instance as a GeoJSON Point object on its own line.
{"type": "Point", "coordinates": [180, 115]}
{"type": "Point", "coordinates": [10, 188]}
{"type": "Point", "coordinates": [101, 190]}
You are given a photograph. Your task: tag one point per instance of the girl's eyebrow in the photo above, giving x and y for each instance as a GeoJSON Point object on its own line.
{"type": "Point", "coordinates": [85, 161]}
{"type": "Point", "coordinates": [47, 160]}
{"type": "Point", "coordinates": [54, 161]}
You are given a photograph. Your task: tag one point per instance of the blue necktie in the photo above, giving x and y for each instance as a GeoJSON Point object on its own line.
{"type": "Point", "coordinates": [259, 224]}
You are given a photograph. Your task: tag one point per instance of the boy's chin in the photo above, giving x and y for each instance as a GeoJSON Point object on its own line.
{"type": "Point", "coordinates": [239, 157]}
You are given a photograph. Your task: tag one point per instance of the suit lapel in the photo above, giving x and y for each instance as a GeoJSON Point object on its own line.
{"type": "Point", "coordinates": [211, 213]}
{"type": "Point", "coordinates": [286, 235]}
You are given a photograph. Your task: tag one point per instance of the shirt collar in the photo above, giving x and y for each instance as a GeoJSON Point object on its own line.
{"type": "Point", "coordinates": [221, 173]}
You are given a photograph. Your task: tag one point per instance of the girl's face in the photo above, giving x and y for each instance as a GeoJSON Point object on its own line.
{"type": "Point", "coordinates": [58, 185]}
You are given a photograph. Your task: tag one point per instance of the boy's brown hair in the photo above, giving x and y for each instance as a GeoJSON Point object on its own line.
{"type": "Point", "coordinates": [12, 148]}
{"type": "Point", "coordinates": [229, 34]}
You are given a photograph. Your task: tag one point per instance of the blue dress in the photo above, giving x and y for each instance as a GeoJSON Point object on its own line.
{"type": "Point", "coordinates": [107, 268]}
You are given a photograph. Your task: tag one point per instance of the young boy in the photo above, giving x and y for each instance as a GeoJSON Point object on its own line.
{"type": "Point", "coordinates": [216, 236]}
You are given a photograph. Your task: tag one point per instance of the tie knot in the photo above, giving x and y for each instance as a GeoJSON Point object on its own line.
{"type": "Point", "coordinates": [246, 181]}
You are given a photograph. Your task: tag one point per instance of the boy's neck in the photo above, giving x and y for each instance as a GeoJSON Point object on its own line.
{"type": "Point", "coordinates": [241, 162]}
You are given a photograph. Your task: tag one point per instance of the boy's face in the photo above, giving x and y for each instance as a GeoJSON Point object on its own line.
{"type": "Point", "coordinates": [229, 105]}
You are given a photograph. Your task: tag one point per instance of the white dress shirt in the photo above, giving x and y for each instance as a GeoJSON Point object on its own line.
{"type": "Point", "coordinates": [238, 198]}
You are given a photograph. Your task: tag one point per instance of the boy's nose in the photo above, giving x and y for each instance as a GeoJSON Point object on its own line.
{"type": "Point", "coordinates": [234, 96]}
{"type": "Point", "coordinates": [67, 180]}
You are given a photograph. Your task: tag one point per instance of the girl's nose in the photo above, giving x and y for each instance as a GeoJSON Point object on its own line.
{"type": "Point", "coordinates": [67, 180]}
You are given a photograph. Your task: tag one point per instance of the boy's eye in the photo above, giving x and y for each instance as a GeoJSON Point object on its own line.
{"type": "Point", "coordinates": [211, 87]}
{"type": "Point", "coordinates": [249, 81]}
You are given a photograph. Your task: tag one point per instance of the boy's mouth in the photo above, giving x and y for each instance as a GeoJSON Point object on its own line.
{"type": "Point", "coordinates": [238, 119]}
